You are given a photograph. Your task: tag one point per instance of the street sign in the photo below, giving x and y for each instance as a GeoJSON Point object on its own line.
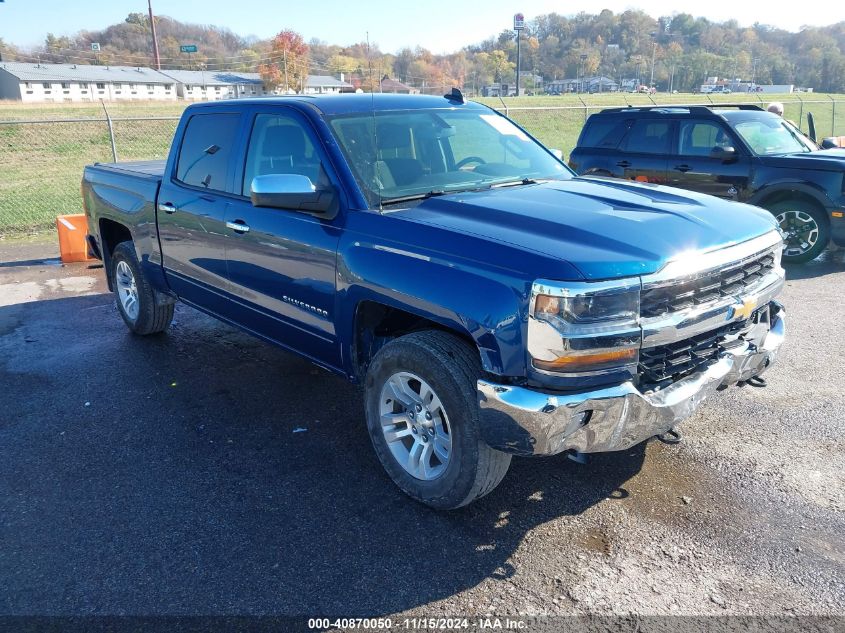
{"type": "Point", "coordinates": [95, 46]}
{"type": "Point", "coordinates": [518, 22]}
{"type": "Point", "coordinates": [188, 48]}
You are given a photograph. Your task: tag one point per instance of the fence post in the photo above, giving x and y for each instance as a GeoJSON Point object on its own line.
{"type": "Point", "coordinates": [111, 130]}
{"type": "Point", "coordinates": [585, 107]}
{"type": "Point", "coordinates": [832, 115]}
{"type": "Point", "coordinates": [504, 105]}
{"type": "Point", "coordinates": [800, 112]}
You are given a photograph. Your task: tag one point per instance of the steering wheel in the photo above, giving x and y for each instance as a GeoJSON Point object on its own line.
{"type": "Point", "coordinates": [468, 160]}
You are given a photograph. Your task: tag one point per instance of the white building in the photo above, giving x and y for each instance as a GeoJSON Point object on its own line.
{"type": "Point", "coordinates": [36, 82]}
{"type": "Point", "coordinates": [31, 82]}
{"type": "Point", "coordinates": [204, 85]}
{"type": "Point", "coordinates": [326, 84]}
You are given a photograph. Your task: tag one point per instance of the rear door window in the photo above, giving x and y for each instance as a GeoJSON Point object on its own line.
{"type": "Point", "coordinates": [604, 133]}
{"type": "Point", "coordinates": [648, 136]}
{"type": "Point", "coordinates": [206, 147]}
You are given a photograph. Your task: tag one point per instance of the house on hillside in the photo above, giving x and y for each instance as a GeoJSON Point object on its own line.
{"type": "Point", "coordinates": [205, 85]}
{"type": "Point", "coordinates": [36, 82]}
{"type": "Point", "coordinates": [394, 86]}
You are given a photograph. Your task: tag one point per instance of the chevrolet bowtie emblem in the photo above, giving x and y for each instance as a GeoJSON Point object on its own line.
{"type": "Point", "coordinates": [742, 310]}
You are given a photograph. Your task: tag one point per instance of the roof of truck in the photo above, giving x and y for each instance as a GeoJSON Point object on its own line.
{"type": "Point", "coordinates": [351, 103]}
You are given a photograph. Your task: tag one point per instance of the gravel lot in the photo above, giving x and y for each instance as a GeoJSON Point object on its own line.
{"type": "Point", "coordinates": [204, 472]}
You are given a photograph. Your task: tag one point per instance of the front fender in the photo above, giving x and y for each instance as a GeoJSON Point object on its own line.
{"type": "Point", "coordinates": [488, 307]}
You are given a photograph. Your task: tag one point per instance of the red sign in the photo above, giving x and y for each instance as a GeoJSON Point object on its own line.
{"type": "Point", "coordinates": [518, 22]}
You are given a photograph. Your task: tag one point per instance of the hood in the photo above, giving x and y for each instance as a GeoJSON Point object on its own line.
{"type": "Point", "coordinates": [604, 228]}
{"type": "Point", "coordinates": [825, 159]}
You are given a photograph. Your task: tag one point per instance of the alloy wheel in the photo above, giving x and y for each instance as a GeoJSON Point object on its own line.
{"type": "Point", "coordinates": [127, 290]}
{"type": "Point", "coordinates": [801, 232]}
{"type": "Point", "coordinates": [415, 426]}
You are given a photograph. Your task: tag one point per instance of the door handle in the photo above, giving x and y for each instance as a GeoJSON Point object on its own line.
{"type": "Point", "coordinates": [623, 163]}
{"type": "Point", "coordinates": [683, 168]}
{"type": "Point", "coordinates": [167, 207]}
{"type": "Point", "coordinates": [238, 226]}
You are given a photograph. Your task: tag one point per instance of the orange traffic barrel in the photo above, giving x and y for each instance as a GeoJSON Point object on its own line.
{"type": "Point", "coordinates": [72, 232]}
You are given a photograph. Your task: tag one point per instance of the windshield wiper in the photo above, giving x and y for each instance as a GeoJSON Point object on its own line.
{"type": "Point", "coordinates": [515, 183]}
{"type": "Point", "coordinates": [416, 196]}
{"type": "Point", "coordinates": [442, 192]}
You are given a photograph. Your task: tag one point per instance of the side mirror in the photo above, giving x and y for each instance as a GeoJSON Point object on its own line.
{"type": "Point", "coordinates": [724, 154]}
{"type": "Point", "coordinates": [830, 142]}
{"type": "Point", "coordinates": [292, 191]}
{"type": "Point", "coordinates": [558, 153]}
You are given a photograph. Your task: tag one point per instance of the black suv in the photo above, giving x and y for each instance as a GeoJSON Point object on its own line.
{"type": "Point", "coordinates": [736, 152]}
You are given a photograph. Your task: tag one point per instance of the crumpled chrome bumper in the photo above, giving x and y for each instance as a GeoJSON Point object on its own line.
{"type": "Point", "coordinates": [527, 422]}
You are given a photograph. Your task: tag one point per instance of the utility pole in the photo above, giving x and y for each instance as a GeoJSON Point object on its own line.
{"type": "Point", "coordinates": [155, 39]}
{"type": "Point", "coordinates": [754, 73]}
{"type": "Point", "coordinates": [370, 64]}
{"type": "Point", "coordinates": [286, 70]}
{"type": "Point", "coordinates": [518, 25]}
{"type": "Point", "coordinates": [653, 49]}
{"type": "Point", "coordinates": [583, 72]}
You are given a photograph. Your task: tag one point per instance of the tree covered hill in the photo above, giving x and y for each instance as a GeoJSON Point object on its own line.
{"type": "Point", "coordinates": [618, 45]}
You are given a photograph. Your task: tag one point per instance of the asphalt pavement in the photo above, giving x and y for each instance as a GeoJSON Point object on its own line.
{"type": "Point", "coordinates": [205, 472]}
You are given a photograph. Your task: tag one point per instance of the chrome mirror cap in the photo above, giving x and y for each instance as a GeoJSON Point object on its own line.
{"type": "Point", "coordinates": [293, 192]}
{"type": "Point", "coordinates": [281, 184]}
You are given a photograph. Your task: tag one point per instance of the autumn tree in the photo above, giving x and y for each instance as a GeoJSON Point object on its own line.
{"type": "Point", "coordinates": [288, 66]}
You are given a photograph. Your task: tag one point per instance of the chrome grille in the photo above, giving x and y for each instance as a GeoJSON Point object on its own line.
{"type": "Point", "coordinates": [662, 365]}
{"type": "Point", "coordinates": [729, 280]}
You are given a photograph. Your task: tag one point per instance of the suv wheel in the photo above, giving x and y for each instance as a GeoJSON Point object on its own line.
{"type": "Point", "coordinates": [422, 416]}
{"type": "Point", "coordinates": [806, 229]}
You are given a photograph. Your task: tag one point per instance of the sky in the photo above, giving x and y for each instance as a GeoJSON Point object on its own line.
{"type": "Point", "coordinates": [440, 25]}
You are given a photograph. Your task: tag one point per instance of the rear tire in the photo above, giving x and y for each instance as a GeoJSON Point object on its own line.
{"type": "Point", "coordinates": [806, 227]}
{"type": "Point", "coordinates": [135, 297]}
{"type": "Point", "coordinates": [423, 419]}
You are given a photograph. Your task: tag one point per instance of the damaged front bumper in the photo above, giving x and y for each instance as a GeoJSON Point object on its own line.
{"type": "Point", "coordinates": [523, 421]}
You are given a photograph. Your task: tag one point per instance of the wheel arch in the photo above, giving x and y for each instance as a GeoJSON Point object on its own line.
{"type": "Point", "coordinates": [376, 322]}
{"type": "Point", "coordinates": [775, 195]}
{"type": "Point", "coordinates": [112, 233]}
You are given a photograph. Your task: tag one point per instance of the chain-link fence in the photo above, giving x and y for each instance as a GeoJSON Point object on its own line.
{"type": "Point", "coordinates": [42, 159]}
{"type": "Point", "coordinates": [42, 162]}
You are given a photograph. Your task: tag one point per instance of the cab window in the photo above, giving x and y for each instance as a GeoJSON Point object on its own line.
{"type": "Point", "coordinates": [280, 144]}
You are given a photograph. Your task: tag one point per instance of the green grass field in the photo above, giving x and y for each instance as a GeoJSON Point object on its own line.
{"type": "Point", "coordinates": [42, 161]}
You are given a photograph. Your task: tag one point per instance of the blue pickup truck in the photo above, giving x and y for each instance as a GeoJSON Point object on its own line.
{"type": "Point", "coordinates": [489, 302]}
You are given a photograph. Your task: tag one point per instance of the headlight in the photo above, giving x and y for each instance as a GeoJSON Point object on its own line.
{"type": "Point", "coordinates": [584, 327]}
{"type": "Point", "coordinates": [593, 309]}
{"type": "Point", "coordinates": [777, 253]}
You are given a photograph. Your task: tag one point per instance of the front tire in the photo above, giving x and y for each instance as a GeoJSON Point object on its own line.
{"type": "Point", "coordinates": [806, 228]}
{"type": "Point", "coordinates": [135, 297]}
{"type": "Point", "coordinates": [423, 419]}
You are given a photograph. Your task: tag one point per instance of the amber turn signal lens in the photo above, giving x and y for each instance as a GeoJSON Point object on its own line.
{"type": "Point", "coordinates": [547, 304]}
{"type": "Point", "coordinates": [586, 362]}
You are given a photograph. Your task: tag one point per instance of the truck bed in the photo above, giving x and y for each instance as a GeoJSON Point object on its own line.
{"type": "Point", "coordinates": [125, 194]}
{"type": "Point", "coordinates": [149, 168]}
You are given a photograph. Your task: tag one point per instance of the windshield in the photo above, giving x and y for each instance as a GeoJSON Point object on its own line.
{"type": "Point", "coordinates": [418, 153]}
{"type": "Point", "coordinates": [772, 135]}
